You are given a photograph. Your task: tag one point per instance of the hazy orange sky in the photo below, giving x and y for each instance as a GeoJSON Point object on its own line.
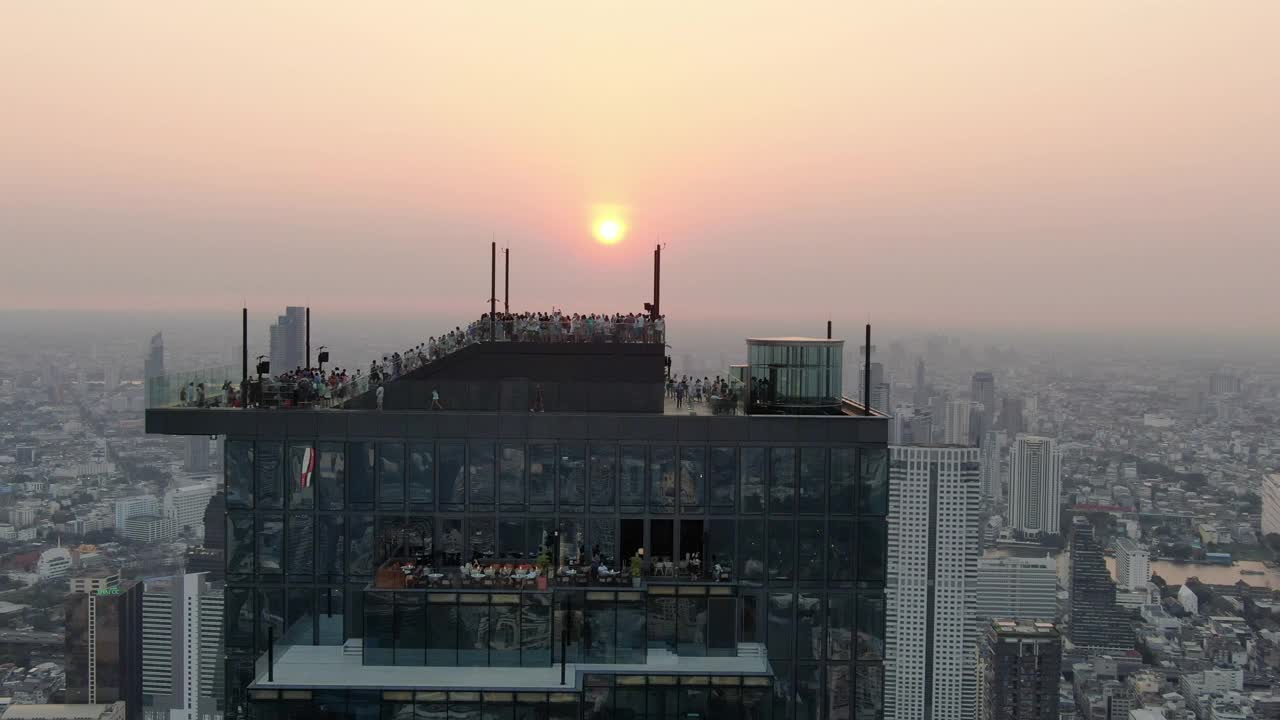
{"type": "Point", "coordinates": [996, 163]}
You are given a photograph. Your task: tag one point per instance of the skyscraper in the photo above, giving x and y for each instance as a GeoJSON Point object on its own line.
{"type": "Point", "coordinates": [288, 339]}
{"type": "Point", "coordinates": [1035, 481]}
{"type": "Point", "coordinates": [153, 371]}
{"type": "Point", "coordinates": [196, 459]}
{"type": "Point", "coordinates": [1011, 420]}
{"type": "Point", "coordinates": [766, 557]}
{"type": "Point", "coordinates": [934, 505]}
{"type": "Point", "coordinates": [104, 647]}
{"type": "Point", "coordinates": [957, 423]}
{"type": "Point", "coordinates": [992, 466]}
{"type": "Point", "coordinates": [921, 388]}
{"type": "Point", "coordinates": [181, 631]}
{"type": "Point", "coordinates": [1017, 588]}
{"type": "Point", "coordinates": [1133, 564]}
{"type": "Point", "coordinates": [983, 392]}
{"type": "Point", "coordinates": [1018, 670]}
{"type": "Point", "coordinates": [1096, 621]}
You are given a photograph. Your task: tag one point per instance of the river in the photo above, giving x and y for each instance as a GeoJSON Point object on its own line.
{"type": "Point", "coordinates": [1174, 573]}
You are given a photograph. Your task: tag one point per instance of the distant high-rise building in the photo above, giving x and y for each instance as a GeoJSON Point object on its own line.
{"type": "Point", "coordinates": [921, 388]}
{"type": "Point", "coordinates": [1017, 588]}
{"type": "Point", "coordinates": [1019, 665]}
{"type": "Point", "coordinates": [1035, 481]}
{"type": "Point", "coordinates": [931, 638]}
{"type": "Point", "coordinates": [992, 466]}
{"type": "Point", "coordinates": [104, 647]}
{"type": "Point", "coordinates": [288, 339]}
{"type": "Point", "coordinates": [1133, 564]}
{"type": "Point", "coordinates": [153, 372]}
{"type": "Point", "coordinates": [1223, 383]}
{"type": "Point", "coordinates": [1096, 621]}
{"type": "Point", "coordinates": [131, 507]}
{"type": "Point", "coordinates": [181, 624]}
{"type": "Point", "coordinates": [983, 392]}
{"type": "Point", "coordinates": [149, 529]}
{"type": "Point", "coordinates": [1011, 417]}
{"type": "Point", "coordinates": [957, 423]}
{"type": "Point", "coordinates": [197, 456]}
{"type": "Point", "coordinates": [1271, 505]}
{"type": "Point", "coordinates": [186, 505]}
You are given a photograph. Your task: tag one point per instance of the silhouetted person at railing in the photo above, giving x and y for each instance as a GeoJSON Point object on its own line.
{"type": "Point", "coordinates": [379, 393]}
{"type": "Point", "coordinates": [435, 399]}
{"type": "Point", "coordinates": [200, 395]}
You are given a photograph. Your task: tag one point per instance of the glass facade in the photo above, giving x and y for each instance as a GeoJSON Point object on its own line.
{"type": "Point", "coordinates": [801, 374]}
{"type": "Point", "coordinates": [798, 529]}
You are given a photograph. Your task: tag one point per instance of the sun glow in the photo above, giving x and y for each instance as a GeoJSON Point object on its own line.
{"type": "Point", "coordinates": [609, 230]}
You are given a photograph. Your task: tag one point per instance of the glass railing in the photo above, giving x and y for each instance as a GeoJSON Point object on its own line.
{"type": "Point", "coordinates": [206, 387]}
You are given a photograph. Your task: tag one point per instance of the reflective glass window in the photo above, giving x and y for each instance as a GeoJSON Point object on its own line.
{"type": "Point", "coordinates": [812, 545]}
{"type": "Point", "coordinates": [391, 476]}
{"type": "Point", "coordinates": [511, 539]}
{"type": "Point", "coordinates": [870, 628]}
{"type": "Point", "coordinates": [782, 549]}
{"type": "Point", "coordinates": [568, 617]}
{"type": "Point", "coordinates": [809, 700]}
{"type": "Point", "coordinates": [783, 689]}
{"type": "Point", "coordinates": [573, 476]}
{"type": "Point", "coordinates": [632, 642]}
{"type": "Point", "coordinates": [452, 542]}
{"type": "Point", "coordinates": [442, 630]}
{"type": "Point", "coordinates": [239, 542]}
{"type": "Point", "coordinates": [537, 532]}
{"type": "Point", "coordinates": [482, 461]}
{"type": "Point", "coordinates": [451, 460]}
{"type": "Point", "coordinates": [868, 688]}
{"type": "Point", "coordinates": [662, 479]}
{"type": "Point", "coordinates": [872, 550]}
{"type": "Point", "coordinates": [482, 539]}
{"type": "Point", "coordinates": [410, 628]}
{"type": "Point", "coordinates": [603, 472]}
{"type": "Point", "coordinates": [573, 542]}
{"type": "Point", "coordinates": [751, 549]}
{"type": "Point", "coordinates": [504, 633]}
{"type": "Point", "coordinates": [302, 476]}
{"type": "Point", "coordinates": [782, 480]}
{"type": "Point", "coordinates": [873, 495]}
{"type": "Point", "coordinates": [269, 461]}
{"type": "Point", "coordinates": [301, 622]}
{"type": "Point", "coordinates": [720, 545]}
{"type": "Point", "coordinates": [379, 628]}
{"type": "Point", "coordinates": [723, 477]}
{"type": "Point", "coordinates": [422, 466]}
{"type": "Point", "coordinates": [361, 474]}
{"type": "Point", "coordinates": [239, 473]}
{"type": "Point", "coordinates": [542, 473]}
{"type": "Point", "coordinates": [631, 477]}
{"type": "Point", "coordinates": [810, 627]}
{"type": "Point", "coordinates": [841, 558]}
{"type": "Point", "coordinates": [844, 473]}
{"type": "Point", "coordinates": [661, 621]}
{"type": "Point", "coordinates": [599, 631]}
{"type": "Point", "coordinates": [360, 545]}
{"type": "Point", "coordinates": [813, 480]}
{"type": "Point", "coordinates": [535, 629]}
{"type": "Point", "coordinates": [511, 474]}
{"type": "Point", "coordinates": [840, 624]}
{"type": "Point", "coordinates": [604, 541]}
{"type": "Point", "coordinates": [781, 636]}
{"type": "Point", "coordinates": [751, 480]}
{"type": "Point", "coordinates": [691, 630]}
{"type": "Point", "coordinates": [270, 615]}
{"type": "Point", "coordinates": [693, 478]}
{"type": "Point", "coordinates": [239, 617]}
{"type": "Point", "coordinates": [332, 470]}
{"type": "Point", "coordinates": [757, 703]}
{"type": "Point", "coordinates": [694, 702]}
{"type": "Point", "coordinates": [270, 537]}
{"type": "Point", "coordinates": [839, 691]}
{"type": "Point", "coordinates": [331, 546]}
{"type": "Point", "coordinates": [302, 543]}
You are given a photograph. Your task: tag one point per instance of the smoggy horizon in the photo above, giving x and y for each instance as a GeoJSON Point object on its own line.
{"type": "Point", "coordinates": [1094, 166]}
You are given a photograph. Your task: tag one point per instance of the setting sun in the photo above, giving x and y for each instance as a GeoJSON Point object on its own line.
{"type": "Point", "coordinates": [609, 231]}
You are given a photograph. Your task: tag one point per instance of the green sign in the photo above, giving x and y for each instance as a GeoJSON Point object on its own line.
{"type": "Point", "coordinates": [109, 591]}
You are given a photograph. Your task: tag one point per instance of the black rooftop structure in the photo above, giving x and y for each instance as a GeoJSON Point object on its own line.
{"type": "Point", "coordinates": [758, 540]}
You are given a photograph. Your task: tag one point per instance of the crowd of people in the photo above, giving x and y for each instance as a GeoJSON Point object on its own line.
{"type": "Point", "coordinates": [309, 387]}
{"type": "Point", "coordinates": [719, 393]}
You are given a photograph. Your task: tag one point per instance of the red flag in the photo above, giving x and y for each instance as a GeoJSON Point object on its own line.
{"type": "Point", "coordinates": [308, 467]}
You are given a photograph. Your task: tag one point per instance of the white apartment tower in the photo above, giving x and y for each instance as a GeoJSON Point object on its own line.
{"type": "Point", "coordinates": [186, 504]}
{"type": "Point", "coordinates": [1271, 505]}
{"type": "Point", "coordinates": [1133, 565]}
{"type": "Point", "coordinates": [1017, 588]}
{"type": "Point", "coordinates": [1035, 482]}
{"type": "Point", "coordinates": [181, 642]}
{"type": "Point", "coordinates": [934, 536]}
